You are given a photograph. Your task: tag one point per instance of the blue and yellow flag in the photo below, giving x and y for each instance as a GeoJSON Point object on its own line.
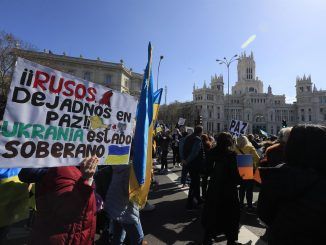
{"type": "Point", "coordinates": [147, 111]}
{"type": "Point", "coordinates": [117, 155]}
{"type": "Point", "coordinates": [263, 133]}
{"type": "Point", "coordinates": [245, 166]}
{"type": "Point", "coordinates": [9, 174]}
{"type": "Point", "coordinates": [14, 201]}
{"type": "Point", "coordinates": [157, 101]}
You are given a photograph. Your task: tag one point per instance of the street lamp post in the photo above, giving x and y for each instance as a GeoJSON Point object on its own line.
{"type": "Point", "coordinates": [158, 70]}
{"type": "Point", "coordinates": [227, 62]}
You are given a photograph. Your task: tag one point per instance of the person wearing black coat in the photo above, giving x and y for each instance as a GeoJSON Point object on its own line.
{"type": "Point", "coordinates": [192, 158]}
{"type": "Point", "coordinates": [221, 214]}
{"type": "Point", "coordinates": [176, 136]}
{"type": "Point", "coordinates": [292, 200]}
{"type": "Point", "coordinates": [164, 145]}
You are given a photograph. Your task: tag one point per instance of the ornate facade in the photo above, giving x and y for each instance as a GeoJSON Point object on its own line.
{"type": "Point", "coordinates": [114, 75]}
{"type": "Point", "coordinates": [249, 103]}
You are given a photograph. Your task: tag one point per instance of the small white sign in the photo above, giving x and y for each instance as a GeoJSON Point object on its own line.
{"type": "Point", "coordinates": [189, 130]}
{"type": "Point", "coordinates": [238, 127]}
{"type": "Point", "coordinates": [181, 121]}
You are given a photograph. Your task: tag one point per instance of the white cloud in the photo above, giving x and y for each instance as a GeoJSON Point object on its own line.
{"type": "Point", "coordinates": [290, 99]}
{"type": "Point", "coordinates": [248, 41]}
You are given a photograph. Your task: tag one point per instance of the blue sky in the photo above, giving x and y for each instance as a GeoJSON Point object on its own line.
{"type": "Point", "coordinates": [191, 34]}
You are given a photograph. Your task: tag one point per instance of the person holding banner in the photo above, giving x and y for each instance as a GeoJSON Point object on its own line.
{"type": "Point", "coordinates": [221, 214]}
{"type": "Point", "coordinates": [65, 203]}
{"type": "Point", "coordinates": [248, 160]}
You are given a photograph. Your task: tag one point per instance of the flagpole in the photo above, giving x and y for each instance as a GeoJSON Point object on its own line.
{"type": "Point", "coordinates": [149, 60]}
{"type": "Point", "coordinates": [158, 71]}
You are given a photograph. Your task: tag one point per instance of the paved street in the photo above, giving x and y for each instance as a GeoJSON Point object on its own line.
{"type": "Point", "coordinates": [170, 223]}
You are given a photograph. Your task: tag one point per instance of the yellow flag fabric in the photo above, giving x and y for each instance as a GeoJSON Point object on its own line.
{"type": "Point", "coordinates": [14, 201]}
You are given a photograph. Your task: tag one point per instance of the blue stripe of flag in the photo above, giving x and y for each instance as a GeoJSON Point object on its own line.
{"type": "Point", "coordinates": [157, 96]}
{"type": "Point", "coordinates": [244, 160]}
{"type": "Point", "coordinates": [6, 173]}
{"type": "Point", "coordinates": [118, 150]}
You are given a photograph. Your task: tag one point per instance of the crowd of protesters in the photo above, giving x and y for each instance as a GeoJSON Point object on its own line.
{"type": "Point", "coordinates": [291, 170]}
{"type": "Point", "coordinates": [73, 203]}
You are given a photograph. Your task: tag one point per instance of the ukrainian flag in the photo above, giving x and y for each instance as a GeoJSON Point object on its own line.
{"type": "Point", "coordinates": [14, 201]}
{"type": "Point", "coordinates": [263, 133]}
{"type": "Point", "coordinates": [157, 101]}
{"type": "Point", "coordinates": [118, 155]}
{"type": "Point", "coordinates": [147, 111]}
{"type": "Point", "coordinates": [245, 166]}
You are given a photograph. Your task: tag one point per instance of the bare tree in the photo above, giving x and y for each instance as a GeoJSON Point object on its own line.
{"type": "Point", "coordinates": [170, 114]}
{"type": "Point", "coordinates": [7, 60]}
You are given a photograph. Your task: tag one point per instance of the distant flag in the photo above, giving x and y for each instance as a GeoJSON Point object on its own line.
{"type": "Point", "coordinates": [263, 133]}
{"type": "Point", "coordinates": [245, 166]}
{"type": "Point", "coordinates": [140, 174]}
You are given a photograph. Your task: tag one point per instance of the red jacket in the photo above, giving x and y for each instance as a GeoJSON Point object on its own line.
{"type": "Point", "coordinates": [66, 209]}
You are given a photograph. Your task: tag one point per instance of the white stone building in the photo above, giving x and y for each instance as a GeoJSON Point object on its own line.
{"type": "Point", "coordinates": [114, 75]}
{"type": "Point", "coordinates": [248, 102]}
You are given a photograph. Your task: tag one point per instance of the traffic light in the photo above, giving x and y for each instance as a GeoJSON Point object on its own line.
{"type": "Point", "coordinates": [200, 120]}
{"type": "Point", "coordinates": [284, 124]}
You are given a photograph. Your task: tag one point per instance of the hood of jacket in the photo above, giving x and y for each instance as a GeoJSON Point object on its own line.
{"type": "Point", "coordinates": [291, 182]}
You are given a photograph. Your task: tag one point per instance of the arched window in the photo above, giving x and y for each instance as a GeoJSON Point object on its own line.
{"type": "Point", "coordinates": [249, 73]}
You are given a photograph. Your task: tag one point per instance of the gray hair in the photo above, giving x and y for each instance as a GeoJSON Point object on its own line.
{"type": "Point", "coordinates": [284, 134]}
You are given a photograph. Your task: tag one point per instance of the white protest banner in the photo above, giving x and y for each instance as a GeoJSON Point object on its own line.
{"type": "Point", "coordinates": [181, 121]}
{"type": "Point", "coordinates": [55, 119]}
{"type": "Point", "coordinates": [238, 127]}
